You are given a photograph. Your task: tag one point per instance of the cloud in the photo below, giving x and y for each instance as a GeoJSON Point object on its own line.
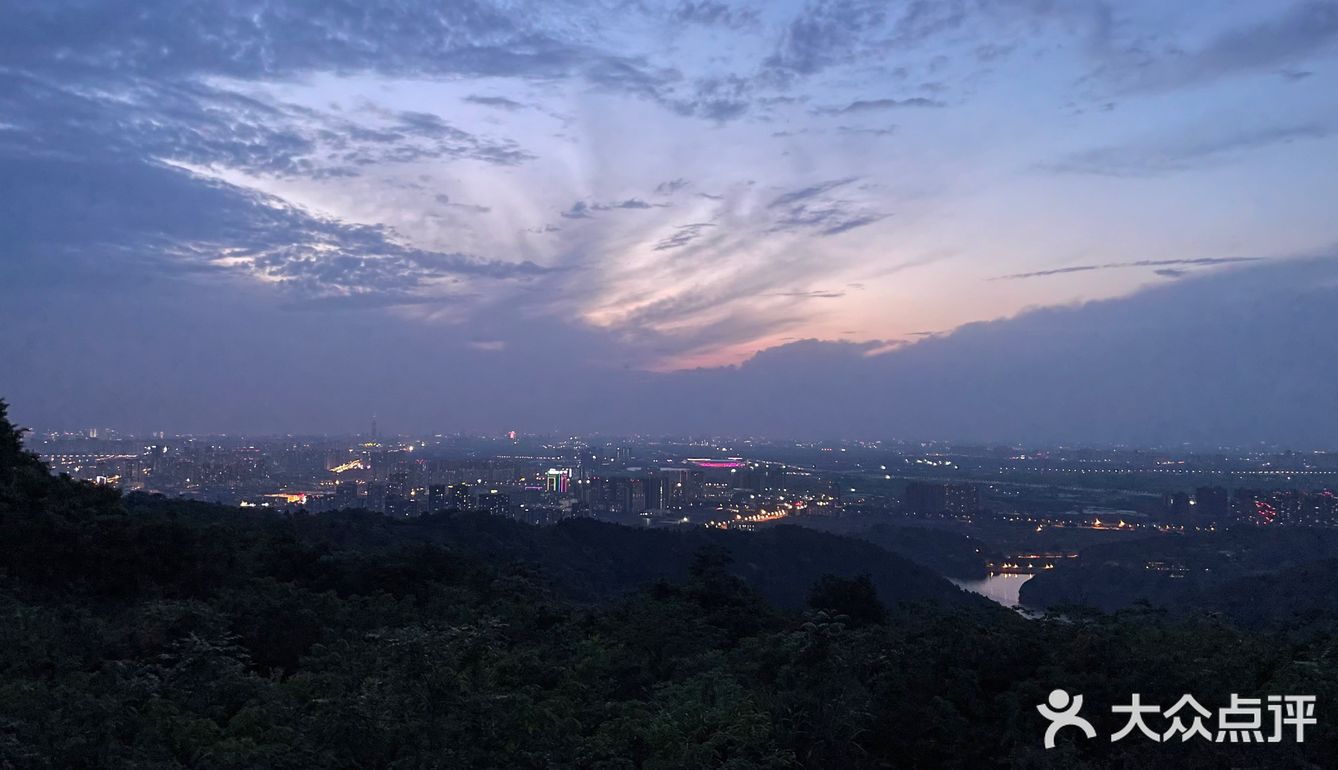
{"type": "Point", "coordinates": [1204, 261]}
{"type": "Point", "coordinates": [718, 97]}
{"type": "Point", "coordinates": [578, 210]}
{"type": "Point", "coordinates": [630, 203]}
{"type": "Point", "coordinates": [670, 187]}
{"type": "Point", "coordinates": [259, 40]}
{"type": "Point", "coordinates": [145, 220]}
{"type": "Point", "coordinates": [1298, 32]}
{"type": "Point", "coordinates": [811, 294]}
{"type": "Point", "coordinates": [811, 191]}
{"type": "Point", "coordinates": [824, 33]}
{"type": "Point", "coordinates": [204, 125]}
{"type": "Point", "coordinates": [682, 236]}
{"type": "Point", "coordinates": [884, 131]}
{"type": "Point", "coordinates": [844, 222]}
{"type": "Point", "coordinates": [712, 13]}
{"type": "Point", "coordinates": [811, 208]}
{"type": "Point", "coordinates": [445, 200]}
{"type": "Point", "coordinates": [500, 102]}
{"type": "Point", "coordinates": [583, 209]}
{"type": "Point", "coordinates": [1185, 151]}
{"type": "Point", "coordinates": [827, 219]}
{"type": "Point", "coordinates": [876, 105]}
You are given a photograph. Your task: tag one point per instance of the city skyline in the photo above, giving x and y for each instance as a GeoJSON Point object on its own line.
{"type": "Point", "coordinates": [993, 221]}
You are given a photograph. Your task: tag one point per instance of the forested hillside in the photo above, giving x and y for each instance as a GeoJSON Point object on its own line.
{"type": "Point", "coordinates": [153, 633]}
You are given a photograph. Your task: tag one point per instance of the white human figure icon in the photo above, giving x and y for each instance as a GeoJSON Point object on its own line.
{"type": "Point", "coordinates": [1063, 712]}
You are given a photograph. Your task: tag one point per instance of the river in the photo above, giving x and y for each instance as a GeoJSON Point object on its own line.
{"type": "Point", "coordinates": [1001, 587]}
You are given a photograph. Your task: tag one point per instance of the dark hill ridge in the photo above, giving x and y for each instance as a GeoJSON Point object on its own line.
{"type": "Point", "coordinates": [1254, 574]}
{"type": "Point", "coordinates": [591, 559]}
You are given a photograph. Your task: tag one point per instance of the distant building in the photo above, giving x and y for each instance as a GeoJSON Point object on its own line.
{"type": "Point", "coordinates": [397, 483]}
{"type": "Point", "coordinates": [934, 498]}
{"type": "Point", "coordinates": [436, 498]}
{"type": "Point", "coordinates": [494, 502]}
{"type": "Point", "coordinates": [376, 497]}
{"type": "Point", "coordinates": [1177, 505]}
{"type": "Point", "coordinates": [459, 497]}
{"type": "Point", "coordinates": [962, 498]}
{"type": "Point", "coordinates": [398, 506]}
{"type": "Point", "coordinates": [655, 492]}
{"type": "Point", "coordinates": [557, 481]}
{"type": "Point", "coordinates": [923, 497]}
{"type": "Point", "coordinates": [346, 495]}
{"type": "Point", "coordinates": [1212, 503]}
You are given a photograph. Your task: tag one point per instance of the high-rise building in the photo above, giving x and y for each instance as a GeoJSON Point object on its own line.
{"type": "Point", "coordinates": [436, 498]}
{"type": "Point", "coordinates": [397, 483]}
{"type": "Point", "coordinates": [494, 502]}
{"type": "Point", "coordinates": [925, 497]}
{"type": "Point", "coordinates": [459, 497]}
{"type": "Point", "coordinates": [961, 499]}
{"type": "Point", "coordinates": [557, 481]}
{"type": "Point", "coordinates": [1212, 503]}
{"type": "Point", "coordinates": [376, 498]}
{"type": "Point", "coordinates": [1176, 504]}
{"type": "Point", "coordinates": [398, 506]}
{"type": "Point", "coordinates": [654, 487]}
{"type": "Point", "coordinates": [627, 495]}
{"type": "Point", "coordinates": [346, 494]}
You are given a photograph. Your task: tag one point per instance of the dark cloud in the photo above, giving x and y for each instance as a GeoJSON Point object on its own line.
{"type": "Point", "coordinates": [874, 105]}
{"type": "Point", "coordinates": [1184, 152]}
{"type": "Point", "coordinates": [719, 98]}
{"type": "Point", "coordinates": [257, 39]}
{"type": "Point", "coordinates": [883, 131]}
{"type": "Point", "coordinates": [812, 191]}
{"type": "Point", "coordinates": [500, 102]}
{"type": "Point", "coordinates": [630, 203]}
{"type": "Point", "coordinates": [204, 125]}
{"type": "Point", "coordinates": [672, 186]}
{"type": "Point", "coordinates": [845, 221]}
{"type": "Point", "coordinates": [584, 209]}
{"type": "Point", "coordinates": [139, 221]}
{"type": "Point", "coordinates": [682, 236]}
{"type": "Point", "coordinates": [445, 200]}
{"type": "Point", "coordinates": [811, 209]}
{"type": "Point", "coordinates": [824, 33]}
{"type": "Point", "coordinates": [713, 13]}
{"type": "Point", "coordinates": [1202, 262]}
{"type": "Point", "coordinates": [578, 210]}
{"type": "Point", "coordinates": [811, 294]}
{"type": "Point", "coordinates": [1296, 33]}
{"type": "Point", "coordinates": [826, 219]}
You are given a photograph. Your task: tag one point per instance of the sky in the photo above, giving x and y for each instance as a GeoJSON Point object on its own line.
{"type": "Point", "coordinates": [995, 220]}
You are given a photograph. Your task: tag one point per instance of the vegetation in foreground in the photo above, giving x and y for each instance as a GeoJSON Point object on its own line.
{"type": "Point", "coordinates": [156, 634]}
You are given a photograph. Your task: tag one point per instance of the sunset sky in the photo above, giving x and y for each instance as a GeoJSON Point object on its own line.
{"type": "Point", "coordinates": [266, 193]}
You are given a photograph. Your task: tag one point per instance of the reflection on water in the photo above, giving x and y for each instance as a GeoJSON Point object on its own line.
{"type": "Point", "coordinates": [1002, 588]}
